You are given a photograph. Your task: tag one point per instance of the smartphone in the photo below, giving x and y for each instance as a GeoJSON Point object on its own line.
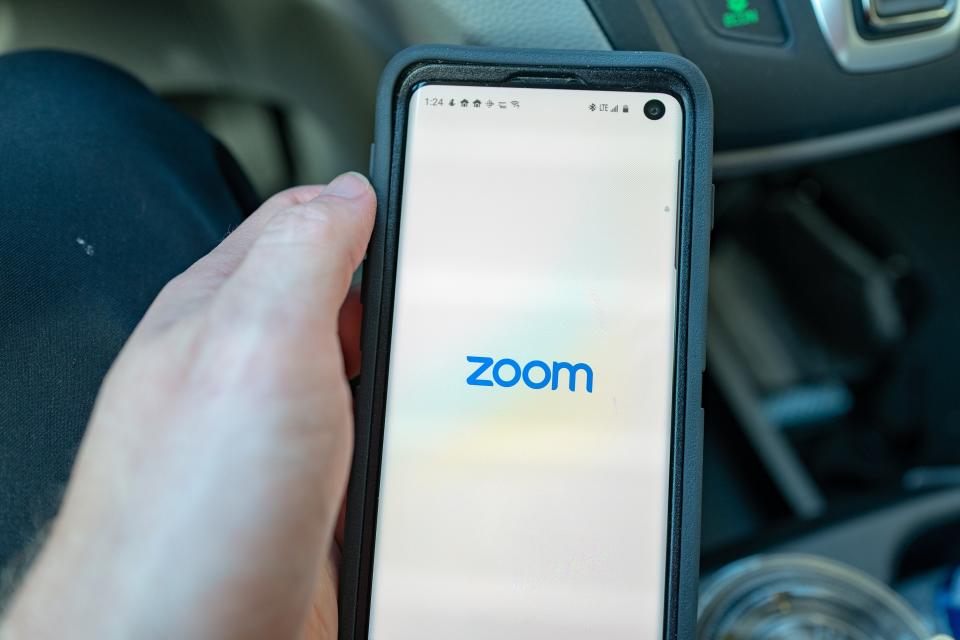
{"type": "Point", "coordinates": [528, 419]}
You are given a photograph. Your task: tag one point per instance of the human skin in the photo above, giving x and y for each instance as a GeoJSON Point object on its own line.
{"type": "Point", "coordinates": [205, 495]}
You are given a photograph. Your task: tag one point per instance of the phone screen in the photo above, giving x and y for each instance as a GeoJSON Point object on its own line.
{"type": "Point", "coordinates": [525, 469]}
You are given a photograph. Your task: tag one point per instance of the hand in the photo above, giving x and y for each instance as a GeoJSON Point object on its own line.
{"type": "Point", "coordinates": [207, 488]}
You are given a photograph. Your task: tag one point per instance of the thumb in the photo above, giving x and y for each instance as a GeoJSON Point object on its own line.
{"type": "Point", "coordinates": [299, 268]}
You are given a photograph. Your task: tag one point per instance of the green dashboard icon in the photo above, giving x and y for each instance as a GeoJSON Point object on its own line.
{"type": "Point", "coordinates": [739, 14]}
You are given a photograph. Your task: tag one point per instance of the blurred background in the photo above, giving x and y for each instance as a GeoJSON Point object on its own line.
{"type": "Point", "coordinates": [832, 393]}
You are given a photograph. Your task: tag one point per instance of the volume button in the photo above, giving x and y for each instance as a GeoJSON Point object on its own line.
{"type": "Point", "coordinates": [373, 149]}
{"type": "Point", "coordinates": [364, 281]}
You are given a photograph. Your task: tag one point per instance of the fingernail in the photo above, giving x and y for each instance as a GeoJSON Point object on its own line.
{"type": "Point", "coordinates": [348, 185]}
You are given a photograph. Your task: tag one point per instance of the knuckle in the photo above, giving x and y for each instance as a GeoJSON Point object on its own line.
{"type": "Point", "coordinates": [302, 224]}
{"type": "Point", "coordinates": [294, 196]}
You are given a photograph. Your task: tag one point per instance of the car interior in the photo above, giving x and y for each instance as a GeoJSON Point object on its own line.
{"type": "Point", "coordinates": [832, 412]}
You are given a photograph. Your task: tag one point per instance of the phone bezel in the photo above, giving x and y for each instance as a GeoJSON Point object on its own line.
{"type": "Point", "coordinates": [661, 73]}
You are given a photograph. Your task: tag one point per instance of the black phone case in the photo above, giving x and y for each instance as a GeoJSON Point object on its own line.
{"type": "Point", "coordinates": [450, 64]}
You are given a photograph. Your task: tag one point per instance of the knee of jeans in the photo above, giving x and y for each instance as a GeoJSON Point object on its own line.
{"type": "Point", "coordinates": [39, 85]}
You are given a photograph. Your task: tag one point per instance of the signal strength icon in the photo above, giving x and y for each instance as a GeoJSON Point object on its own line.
{"type": "Point", "coordinates": [616, 109]}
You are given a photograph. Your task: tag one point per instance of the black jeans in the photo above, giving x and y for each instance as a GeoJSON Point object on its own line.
{"type": "Point", "coordinates": [105, 194]}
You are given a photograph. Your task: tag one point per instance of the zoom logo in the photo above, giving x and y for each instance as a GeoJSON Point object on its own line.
{"type": "Point", "coordinates": [536, 374]}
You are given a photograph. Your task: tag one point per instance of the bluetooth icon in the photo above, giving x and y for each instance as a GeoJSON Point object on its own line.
{"type": "Point", "coordinates": [593, 106]}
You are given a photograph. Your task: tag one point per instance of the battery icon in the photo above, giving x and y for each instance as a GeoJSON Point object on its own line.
{"type": "Point", "coordinates": [626, 108]}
